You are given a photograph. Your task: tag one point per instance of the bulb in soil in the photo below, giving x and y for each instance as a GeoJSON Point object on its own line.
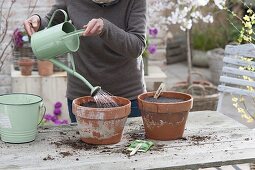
{"type": "Point", "coordinates": [104, 99]}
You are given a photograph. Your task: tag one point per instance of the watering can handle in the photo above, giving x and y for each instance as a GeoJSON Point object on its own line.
{"type": "Point", "coordinates": [54, 14]}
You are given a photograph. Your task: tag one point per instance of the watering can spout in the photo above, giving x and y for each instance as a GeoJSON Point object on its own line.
{"type": "Point", "coordinates": [95, 90]}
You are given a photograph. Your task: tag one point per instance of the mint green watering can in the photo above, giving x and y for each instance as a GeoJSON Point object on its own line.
{"type": "Point", "coordinates": [58, 40]}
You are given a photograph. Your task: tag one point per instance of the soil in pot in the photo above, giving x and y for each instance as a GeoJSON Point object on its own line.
{"type": "Point", "coordinates": [95, 105]}
{"type": "Point", "coordinates": [162, 100]}
{"type": "Point", "coordinates": [26, 66]}
{"type": "Point", "coordinates": [165, 118]}
{"type": "Point", "coordinates": [101, 125]}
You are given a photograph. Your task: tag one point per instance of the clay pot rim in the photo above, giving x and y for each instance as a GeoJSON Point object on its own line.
{"type": "Point", "coordinates": [151, 94]}
{"type": "Point", "coordinates": [26, 62]}
{"type": "Point", "coordinates": [105, 109]}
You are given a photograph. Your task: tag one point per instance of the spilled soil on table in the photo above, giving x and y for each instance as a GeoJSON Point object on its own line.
{"type": "Point", "coordinates": [73, 141]}
{"type": "Point", "coordinates": [75, 144]}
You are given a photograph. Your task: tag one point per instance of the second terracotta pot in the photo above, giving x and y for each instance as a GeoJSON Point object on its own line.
{"type": "Point", "coordinates": [165, 121]}
{"type": "Point", "coordinates": [26, 66]}
{"type": "Point", "coordinates": [101, 125]}
{"type": "Point", "coordinates": [45, 68]}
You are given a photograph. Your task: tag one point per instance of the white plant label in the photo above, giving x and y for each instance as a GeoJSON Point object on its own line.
{"type": "Point", "coordinates": [5, 121]}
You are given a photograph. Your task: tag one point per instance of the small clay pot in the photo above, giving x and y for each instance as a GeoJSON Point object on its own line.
{"type": "Point", "coordinates": [26, 66]}
{"type": "Point", "coordinates": [101, 125]}
{"type": "Point", "coordinates": [165, 121]}
{"type": "Point", "coordinates": [45, 68]}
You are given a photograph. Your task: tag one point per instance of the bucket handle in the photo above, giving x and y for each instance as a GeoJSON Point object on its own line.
{"type": "Point", "coordinates": [54, 14]}
{"type": "Point", "coordinates": [42, 113]}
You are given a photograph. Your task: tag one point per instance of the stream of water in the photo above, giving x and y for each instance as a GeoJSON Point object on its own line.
{"type": "Point", "coordinates": [104, 99]}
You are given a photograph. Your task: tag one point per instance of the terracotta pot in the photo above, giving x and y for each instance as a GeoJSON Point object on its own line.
{"type": "Point", "coordinates": [45, 68]}
{"type": "Point", "coordinates": [165, 121]}
{"type": "Point", "coordinates": [26, 66]}
{"type": "Point", "coordinates": [101, 125]}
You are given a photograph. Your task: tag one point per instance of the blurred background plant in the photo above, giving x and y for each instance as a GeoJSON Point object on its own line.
{"type": "Point", "coordinates": [151, 48]}
{"type": "Point", "coordinates": [5, 16]}
{"type": "Point", "coordinates": [217, 35]}
{"type": "Point", "coordinates": [19, 38]}
{"type": "Point", "coordinates": [246, 35]}
{"type": "Point", "coordinates": [184, 13]}
{"type": "Point", "coordinates": [4, 25]}
{"type": "Point", "coordinates": [55, 116]}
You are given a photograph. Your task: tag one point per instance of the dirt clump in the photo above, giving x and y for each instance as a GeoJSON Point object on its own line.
{"type": "Point", "coordinates": [65, 154]}
{"type": "Point", "coordinates": [49, 157]}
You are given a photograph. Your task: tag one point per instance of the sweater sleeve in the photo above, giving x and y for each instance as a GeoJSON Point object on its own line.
{"type": "Point", "coordinates": [130, 42]}
{"type": "Point", "coordinates": [59, 4]}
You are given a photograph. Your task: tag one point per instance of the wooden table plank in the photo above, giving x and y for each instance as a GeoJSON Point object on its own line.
{"type": "Point", "coordinates": [210, 139]}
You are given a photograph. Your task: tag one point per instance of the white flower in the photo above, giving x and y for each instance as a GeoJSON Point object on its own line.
{"type": "Point", "coordinates": [25, 38]}
{"type": "Point", "coordinates": [220, 3]}
{"type": "Point", "coordinates": [183, 12]}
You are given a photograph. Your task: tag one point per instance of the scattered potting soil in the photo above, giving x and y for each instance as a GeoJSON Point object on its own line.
{"type": "Point", "coordinates": [158, 147]}
{"type": "Point", "coordinates": [183, 138]}
{"type": "Point", "coordinates": [197, 139]}
{"type": "Point", "coordinates": [49, 157]}
{"type": "Point", "coordinates": [162, 99]}
{"type": "Point", "coordinates": [64, 154]}
{"type": "Point", "coordinates": [95, 105]}
{"type": "Point", "coordinates": [135, 136]}
{"type": "Point", "coordinates": [75, 144]}
{"type": "Point", "coordinates": [62, 133]}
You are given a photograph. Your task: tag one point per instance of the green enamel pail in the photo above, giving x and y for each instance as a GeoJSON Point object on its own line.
{"type": "Point", "coordinates": [20, 114]}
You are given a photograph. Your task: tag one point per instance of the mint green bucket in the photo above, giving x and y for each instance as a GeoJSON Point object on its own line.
{"type": "Point", "coordinates": [20, 114]}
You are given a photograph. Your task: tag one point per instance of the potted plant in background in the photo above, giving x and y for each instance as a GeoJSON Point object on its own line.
{"type": "Point", "coordinates": [45, 68]}
{"type": "Point", "coordinates": [55, 116]}
{"type": "Point", "coordinates": [6, 15]}
{"type": "Point", "coordinates": [185, 13]}
{"type": "Point", "coordinates": [211, 37]}
{"type": "Point", "coordinates": [22, 52]}
{"type": "Point", "coordinates": [246, 35]}
{"type": "Point", "coordinates": [23, 61]}
{"type": "Point", "coordinates": [26, 66]}
{"type": "Point", "coordinates": [150, 48]}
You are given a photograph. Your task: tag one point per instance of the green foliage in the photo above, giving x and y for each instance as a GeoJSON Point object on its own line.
{"type": "Point", "coordinates": [217, 34]}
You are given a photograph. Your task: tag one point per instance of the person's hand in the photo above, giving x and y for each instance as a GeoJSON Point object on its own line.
{"type": "Point", "coordinates": [32, 24]}
{"type": "Point", "coordinates": [94, 27]}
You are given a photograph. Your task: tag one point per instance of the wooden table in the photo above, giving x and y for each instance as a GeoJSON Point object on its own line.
{"type": "Point", "coordinates": [210, 139]}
